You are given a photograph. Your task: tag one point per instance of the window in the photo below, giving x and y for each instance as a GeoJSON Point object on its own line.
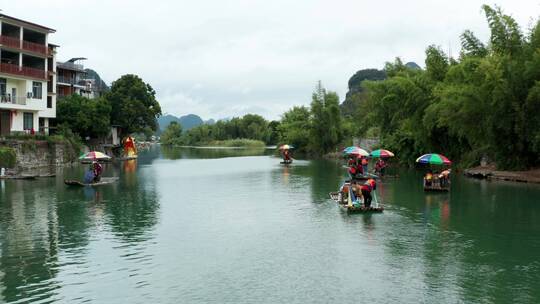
{"type": "Point", "coordinates": [37, 90]}
{"type": "Point", "coordinates": [28, 121]}
{"type": "Point", "coordinates": [49, 102]}
{"type": "Point", "coordinates": [3, 88]}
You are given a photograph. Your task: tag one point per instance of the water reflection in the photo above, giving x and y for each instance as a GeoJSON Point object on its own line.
{"type": "Point", "coordinates": [322, 176]}
{"type": "Point", "coordinates": [44, 220]}
{"type": "Point", "coordinates": [470, 236]}
{"type": "Point", "coordinates": [28, 247]}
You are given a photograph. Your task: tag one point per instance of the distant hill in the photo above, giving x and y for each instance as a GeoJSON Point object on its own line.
{"type": "Point", "coordinates": [413, 65]}
{"type": "Point", "coordinates": [100, 84]}
{"type": "Point", "coordinates": [354, 95]}
{"type": "Point", "coordinates": [187, 121]}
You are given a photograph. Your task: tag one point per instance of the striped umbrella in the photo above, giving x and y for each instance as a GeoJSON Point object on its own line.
{"type": "Point", "coordinates": [381, 153]}
{"type": "Point", "coordinates": [286, 147]}
{"type": "Point", "coordinates": [433, 159]}
{"type": "Point", "coordinates": [353, 150]}
{"type": "Point", "coordinates": [94, 155]}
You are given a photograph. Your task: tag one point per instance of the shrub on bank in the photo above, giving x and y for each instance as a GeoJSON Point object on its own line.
{"type": "Point", "coordinates": [8, 157]}
{"type": "Point", "coordinates": [239, 142]}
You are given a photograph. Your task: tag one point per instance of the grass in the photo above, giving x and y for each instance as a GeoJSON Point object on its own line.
{"type": "Point", "coordinates": [8, 157]}
{"type": "Point", "coordinates": [238, 143]}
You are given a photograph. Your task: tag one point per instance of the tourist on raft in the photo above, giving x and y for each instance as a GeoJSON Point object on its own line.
{"type": "Point", "coordinates": [352, 161]}
{"type": "Point", "coordinates": [364, 162]}
{"type": "Point", "coordinates": [89, 175]}
{"type": "Point", "coordinates": [428, 178]}
{"type": "Point", "coordinates": [380, 167]}
{"type": "Point", "coordinates": [444, 178]}
{"type": "Point", "coordinates": [356, 169]}
{"type": "Point", "coordinates": [366, 189]}
{"type": "Point", "coordinates": [97, 170]}
{"type": "Point", "coordinates": [287, 156]}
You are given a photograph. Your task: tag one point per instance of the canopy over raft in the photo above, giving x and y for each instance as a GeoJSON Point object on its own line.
{"type": "Point", "coordinates": [433, 182]}
{"type": "Point", "coordinates": [381, 153]}
{"type": "Point", "coordinates": [356, 151]}
{"type": "Point", "coordinates": [285, 153]}
{"type": "Point", "coordinates": [433, 159]}
{"type": "Point", "coordinates": [94, 156]}
{"type": "Point", "coordinates": [286, 147]}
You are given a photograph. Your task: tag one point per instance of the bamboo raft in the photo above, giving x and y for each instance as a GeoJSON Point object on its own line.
{"type": "Point", "coordinates": [436, 187]}
{"type": "Point", "coordinates": [352, 209]}
{"type": "Point", "coordinates": [103, 181]}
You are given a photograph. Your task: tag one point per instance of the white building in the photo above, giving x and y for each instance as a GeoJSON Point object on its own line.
{"type": "Point", "coordinates": [27, 76]}
{"type": "Point", "coordinates": [72, 79]}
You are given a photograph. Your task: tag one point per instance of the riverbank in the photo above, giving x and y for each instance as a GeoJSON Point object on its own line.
{"type": "Point", "coordinates": [35, 157]}
{"type": "Point", "coordinates": [490, 172]}
{"type": "Point", "coordinates": [230, 143]}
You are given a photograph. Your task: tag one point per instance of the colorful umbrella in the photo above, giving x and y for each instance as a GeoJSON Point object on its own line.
{"type": "Point", "coordinates": [94, 155]}
{"type": "Point", "coordinates": [433, 159]}
{"type": "Point", "coordinates": [286, 147]}
{"type": "Point", "coordinates": [355, 151]}
{"type": "Point", "coordinates": [381, 153]}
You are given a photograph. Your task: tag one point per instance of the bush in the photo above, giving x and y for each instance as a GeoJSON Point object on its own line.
{"type": "Point", "coordinates": [8, 157]}
{"type": "Point", "coordinates": [239, 142]}
{"type": "Point", "coordinates": [65, 135]}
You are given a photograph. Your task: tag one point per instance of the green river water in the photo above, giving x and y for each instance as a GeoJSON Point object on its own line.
{"type": "Point", "coordinates": [235, 226]}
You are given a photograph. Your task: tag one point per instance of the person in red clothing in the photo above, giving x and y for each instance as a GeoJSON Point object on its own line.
{"type": "Point", "coordinates": [98, 169]}
{"type": "Point", "coordinates": [364, 162]}
{"type": "Point", "coordinates": [360, 166]}
{"type": "Point", "coordinates": [351, 162]}
{"type": "Point", "coordinates": [380, 167]}
{"type": "Point", "coordinates": [366, 189]}
{"type": "Point", "coordinates": [352, 172]}
{"type": "Point", "coordinates": [286, 155]}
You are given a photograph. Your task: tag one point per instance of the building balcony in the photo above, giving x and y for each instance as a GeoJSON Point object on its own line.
{"type": "Point", "coordinates": [64, 80]}
{"type": "Point", "coordinates": [24, 45]}
{"type": "Point", "coordinates": [14, 69]}
{"type": "Point", "coordinates": [8, 99]}
{"type": "Point", "coordinates": [10, 41]}
{"type": "Point", "coordinates": [70, 66]}
{"type": "Point", "coordinates": [35, 47]}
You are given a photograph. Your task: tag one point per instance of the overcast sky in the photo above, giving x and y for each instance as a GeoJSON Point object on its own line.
{"type": "Point", "coordinates": [225, 58]}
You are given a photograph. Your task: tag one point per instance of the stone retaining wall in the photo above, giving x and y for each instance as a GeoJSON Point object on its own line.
{"type": "Point", "coordinates": [39, 157]}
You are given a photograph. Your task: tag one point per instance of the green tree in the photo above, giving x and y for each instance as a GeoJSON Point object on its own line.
{"type": "Point", "coordinates": [86, 117]}
{"type": "Point", "coordinates": [294, 128]}
{"type": "Point", "coordinates": [272, 133]}
{"type": "Point", "coordinates": [472, 46]}
{"type": "Point", "coordinates": [172, 134]}
{"type": "Point", "coordinates": [326, 130]}
{"type": "Point", "coordinates": [134, 104]}
{"type": "Point", "coordinates": [487, 103]}
{"type": "Point", "coordinates": [253, 127]}
{"type": "Point", "coordinates": [436, 63]}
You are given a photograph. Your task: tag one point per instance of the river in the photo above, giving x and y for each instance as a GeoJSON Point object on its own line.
{"type": "Point", "coordinates": [235, 226]}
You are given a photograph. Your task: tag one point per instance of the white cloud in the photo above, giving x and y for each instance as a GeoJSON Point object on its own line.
{"type": "Point", "coordinates": [223, 58]}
